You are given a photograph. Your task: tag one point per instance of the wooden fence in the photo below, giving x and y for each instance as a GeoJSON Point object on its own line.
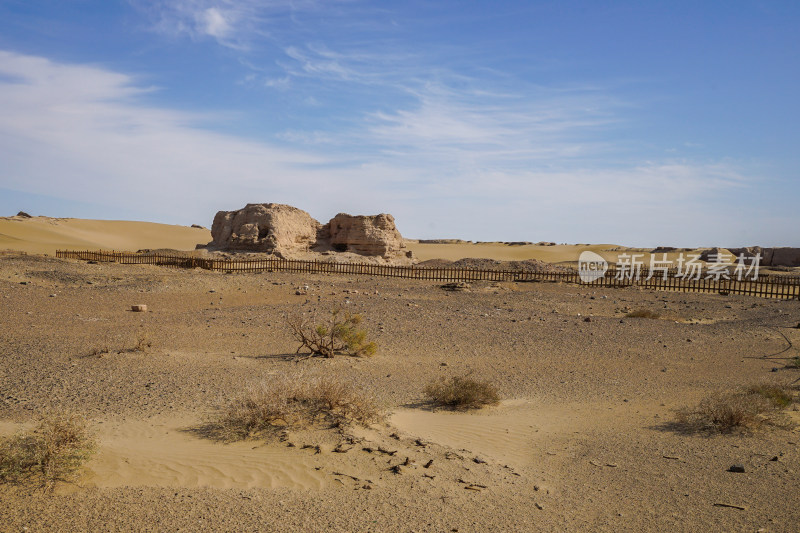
{"type": "Point", "coordinates": [768, 286]}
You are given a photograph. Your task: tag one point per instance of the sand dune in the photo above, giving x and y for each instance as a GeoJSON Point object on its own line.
{"type": "Point", "coordinates": [44, 235]}
{"type": "Point", "coordinates": [505, 435]}
{"type": "Point", "coordinates": [158, 453]}
{"type": "Point", "coordinates": [504, 252]}
{"type": "Point", "coordinates": [564, 254]}
{"type": "Point", "coordinates": [585, 440]}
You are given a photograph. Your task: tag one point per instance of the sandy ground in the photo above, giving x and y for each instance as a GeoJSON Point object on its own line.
{"type": "Point", "coordinates": [584, 440]}
{"type": "Point", "coordinates": [560, 253]}
{"type": "Point", "coordinates": [45, 235]}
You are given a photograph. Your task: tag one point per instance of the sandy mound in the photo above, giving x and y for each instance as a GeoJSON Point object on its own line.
{"type": "Point", "coordinates": [584, 441]}
{"type": "Point", "coordinates": [477, 263]}
{"type": "Point", "coordinates": [44, 235]}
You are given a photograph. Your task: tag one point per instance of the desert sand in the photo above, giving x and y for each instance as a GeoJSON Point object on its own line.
{"type": "Point", "coordinates": [584, 440]}
{"type": "Point", "coordinates": [560, 253]}
{"type": "Point", "coordinates": [45, 235]}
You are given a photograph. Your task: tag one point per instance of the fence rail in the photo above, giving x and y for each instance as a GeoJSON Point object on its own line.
{"type": "Point", "coordinates": [767, 286]}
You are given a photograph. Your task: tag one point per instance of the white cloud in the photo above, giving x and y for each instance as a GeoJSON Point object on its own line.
{"type": "Point", "coordinates": [480, 170]}
{"type": "Point", "coordinates": [318, 65]}
{"type": "Point", "coordinates": [232, 23]}
{"type": "Point", "coordinates": [215, 23]}
{"type": "Point", "coordinates": [82, 133]}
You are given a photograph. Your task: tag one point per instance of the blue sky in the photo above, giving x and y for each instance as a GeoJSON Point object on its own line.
{"type": "Point", "coordinates": [638, 123]}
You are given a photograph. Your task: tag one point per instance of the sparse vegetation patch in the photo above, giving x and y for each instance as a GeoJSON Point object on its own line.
{"type": "Point", "coordinates": [461, 393]}
{"type": "Point", "coordinates": [53, 451]}
{"type": "Point", "coordinates": [748, 409]}
{"type": "Point", "coordinates": [779, 395]}
{"type": "Point", "coordinates": [142, 344]}
{"type": "Point", "coordinates": [293, 401]}
{"type": "Point", "coordinates": [338, 334]}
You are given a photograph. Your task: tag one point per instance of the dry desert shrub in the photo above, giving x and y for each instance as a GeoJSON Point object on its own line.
{"type": "Point", "coordinates": [642, 313]}
{"type": "Point", "coordinates": [747, 409]}
{"type": "Point", "coordinates": [292, 402]}
{"type": "Point", "coordinates": [142, 344]}
{"type": "Point", "coordinates": [52, 451]}
{"type": "Point", "coordinates": [461, 393]}
{"type": "Point", "coordinates": [100, 351]}
{"type": "Point", "coordinates": [780, 395]}
{"type": "Point", "coordinates": [793, 363]}
{"type": "Point", "coordinates": [338, 334]}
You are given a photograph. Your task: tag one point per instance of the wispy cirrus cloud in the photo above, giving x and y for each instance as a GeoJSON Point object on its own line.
{"type": "Point", "coordinates": [231, 23]}
{"type": "Point", "coordinates": [236, 24]}
{"type": "Point", "coordinates": [504, 131]}
{"type": "Point", "coordinates": [86, 133]}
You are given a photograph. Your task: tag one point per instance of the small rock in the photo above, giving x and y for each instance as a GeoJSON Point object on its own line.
{"type": "Point", "coordinates": [736, 468]}
{"type": "Point", "coordinates": [52, 296]}
{"type": "Point", "coordinates": [587, 319]}
{"type": "Point", "coordinates": [141, 308]}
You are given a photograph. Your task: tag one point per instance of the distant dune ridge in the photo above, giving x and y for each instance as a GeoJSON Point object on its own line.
{"type": "Point", "coordinates": [292, 230]}
{"type": "Point", "coordinates": [44, 235]}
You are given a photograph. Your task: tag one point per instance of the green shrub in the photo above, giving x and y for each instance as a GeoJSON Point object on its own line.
{"type": "Point", "coordinates": [779, 395]}
{"type": "Point", "coordinates": [53, 451]}
{"type": "Point", "coordinates": [340, 334]}
{"type": "Point", "coordinates": [461, 393]}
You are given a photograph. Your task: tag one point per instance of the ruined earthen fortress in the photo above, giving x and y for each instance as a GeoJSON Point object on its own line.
{"type": "Point", "coordinates": [285, 231]}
